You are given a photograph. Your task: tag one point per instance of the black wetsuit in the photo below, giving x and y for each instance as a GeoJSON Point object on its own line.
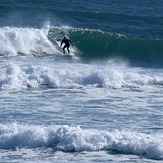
{"type": "Point", "coordinates": [67, 44]}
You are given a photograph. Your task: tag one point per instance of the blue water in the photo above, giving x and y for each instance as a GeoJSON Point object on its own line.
{"type": "Point", "coordinates": [103, 103]}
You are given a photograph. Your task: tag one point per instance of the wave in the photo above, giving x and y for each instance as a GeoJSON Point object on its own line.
{"type": "Point", "coordinates": [112, 75]}
{"type": "Point", "coordinates": [15, 41]}
{"type": "Point", "coordinates": [89, 45]}
{"type": "Point", "coordinates": [75, 139]}
{"type": "Point", "coordinates": [99, 45]}
{"type": "Point", "coordinates": [31, 42]}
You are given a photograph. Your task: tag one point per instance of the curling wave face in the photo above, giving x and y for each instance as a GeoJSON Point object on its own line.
{"type": "Point", "coordinates": [100, 45]}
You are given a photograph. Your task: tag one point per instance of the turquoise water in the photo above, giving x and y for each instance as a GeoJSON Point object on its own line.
{"type": "Point", "coordinates": [103, 103]}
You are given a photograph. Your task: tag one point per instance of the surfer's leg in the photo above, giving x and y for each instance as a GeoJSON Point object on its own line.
{"type": "Point", "coordinates": [64, 49]}
{"type": "Point", "coordinates": [68, 50]}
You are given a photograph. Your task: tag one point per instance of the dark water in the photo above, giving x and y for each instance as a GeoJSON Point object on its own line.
{"type": "Point", "coordinates": [138, 19]}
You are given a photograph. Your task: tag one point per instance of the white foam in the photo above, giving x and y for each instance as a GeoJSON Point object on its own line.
{"type": "Point", "coordinates": [18, 76]}
{"type": "Point", "coordinates": [25, 40]}
{"type": "Point", "coordinates": [70, 139]}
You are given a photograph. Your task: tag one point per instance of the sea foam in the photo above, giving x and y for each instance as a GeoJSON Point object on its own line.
{"type": "Point", "coordinates": [15, 41]}
{"type": "Point", "coordinates": [16, 76]}
{"type": "Point", "coordinates": [72, 139]}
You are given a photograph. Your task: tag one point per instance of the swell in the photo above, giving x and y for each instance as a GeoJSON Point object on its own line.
{"type": "Point", "coordinates": [107, 16]}
{"type": "Point", "coordinates": [99, 45]}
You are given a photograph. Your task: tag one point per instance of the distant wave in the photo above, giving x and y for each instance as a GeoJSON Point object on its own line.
{"type": "Point", "coordinates": [99, 45]}
{"type": "Point", "coordinates": [75, 139]}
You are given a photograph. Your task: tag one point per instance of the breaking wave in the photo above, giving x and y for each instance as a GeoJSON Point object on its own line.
{"type": "Point", "coordinates": [89, 45]}
{"type": "Point", "coordinates": [75, 139]}
{"type": "Point", "coordinates": [15, 76]}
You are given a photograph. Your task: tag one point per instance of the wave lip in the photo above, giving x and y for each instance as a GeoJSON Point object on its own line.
{"type": "Point", "coordinates": [75, 139]}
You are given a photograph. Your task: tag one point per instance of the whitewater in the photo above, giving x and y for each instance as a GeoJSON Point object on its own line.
{"type": "Point", "coordinates": [101, 103]}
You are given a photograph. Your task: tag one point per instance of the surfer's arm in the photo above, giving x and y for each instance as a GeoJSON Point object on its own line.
{"type": "Point", "coordinates": [61, 43]}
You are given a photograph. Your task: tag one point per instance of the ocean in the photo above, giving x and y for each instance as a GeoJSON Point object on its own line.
{"type": "Point", "coordinates": [103, 102]}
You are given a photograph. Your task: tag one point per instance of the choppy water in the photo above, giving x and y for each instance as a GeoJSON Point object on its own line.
{"type": "Point", "coordinates": [101, 104]}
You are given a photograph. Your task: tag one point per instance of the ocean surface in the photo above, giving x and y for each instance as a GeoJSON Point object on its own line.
{"type": "Point", "coordinates": [102, 103]}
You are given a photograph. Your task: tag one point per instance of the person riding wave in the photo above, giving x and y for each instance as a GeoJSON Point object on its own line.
{"type": "Point", "coordinates": [67, 43]}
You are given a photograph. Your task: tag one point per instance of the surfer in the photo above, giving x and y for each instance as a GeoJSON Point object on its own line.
{"type": "Point", "coordinates": [67, 43]}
